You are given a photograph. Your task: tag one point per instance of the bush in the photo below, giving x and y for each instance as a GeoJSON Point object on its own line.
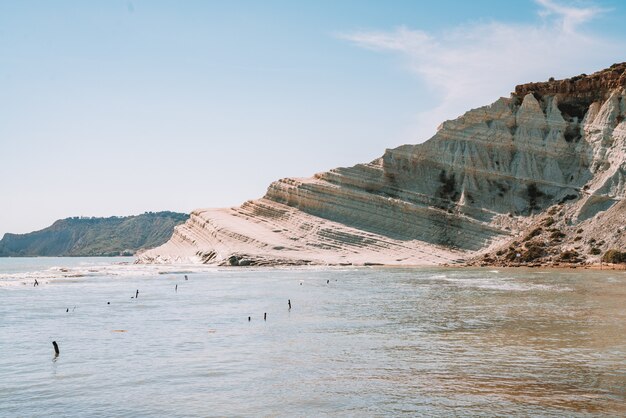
{"type": "Point", "coordinates": [614, 256]}
{"type": "Point", "coordinates": [532, 234]}
{"type": "Point", "coordinates": [511, 256]}
{"type": "Point", "coordinates": [569, 255]}
{"type": "Point", "coordinates": [549, 221]}
{"type": "Point", "coordinates": [557, 235]}
{"type": "Point", "coordinates": [594, 251]}
{"type": "Point", "coordinates": [537, 243]}
{"type": "Point", "coordinates": [534, 252]}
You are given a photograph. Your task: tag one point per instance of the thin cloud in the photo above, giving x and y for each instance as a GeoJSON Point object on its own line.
{"type": "Point", "coordinates": [402, 39]}
{"type": "Point", "coordinates": [569, 17]}
{"type": "Point", "coordinates": [472, 65]}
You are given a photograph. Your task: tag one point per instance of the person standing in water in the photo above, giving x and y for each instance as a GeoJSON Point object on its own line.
{"type": "Point", "coordinates": [289, 303]}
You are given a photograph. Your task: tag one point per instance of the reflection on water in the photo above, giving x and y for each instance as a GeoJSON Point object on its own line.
{"type": "Point", "coordinates": [433, 342]}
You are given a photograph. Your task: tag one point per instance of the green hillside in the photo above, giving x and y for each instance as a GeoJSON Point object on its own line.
{"type": "Point", "coordinates": [94, 236]}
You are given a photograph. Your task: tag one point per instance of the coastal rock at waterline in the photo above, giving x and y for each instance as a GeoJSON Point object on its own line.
{"type": "Point", "coordinates": [475, 186]}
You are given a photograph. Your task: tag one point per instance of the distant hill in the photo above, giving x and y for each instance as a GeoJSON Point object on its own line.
{"type": "Point", "coordinates": [81, 236]}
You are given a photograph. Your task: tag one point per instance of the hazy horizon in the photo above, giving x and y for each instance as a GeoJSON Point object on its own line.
{"type": "Point", "coordinates": [116, 108]}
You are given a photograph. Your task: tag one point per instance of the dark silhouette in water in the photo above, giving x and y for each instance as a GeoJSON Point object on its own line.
{"type": "Point", "coordinates": [36, 283]}
{"type": "Point", "coordinates": [108, 303]}
{"type": "Point", "coordinates": [56, 348]}
{"type": "Point", "coordinates": [289, 303]}
{"type": "Point", "coordinates": [137, 294]}
{"type": "Point", "coordinates": [327, 281]}
{"type": "Point", "coordinates": [248, 319]}
{"type": "Point", "coordinates": [67, 309]}
{"type": "Point", "coordinates": [176, 288]}
{"type": "Point", "coordinates": [186, 277]}
{"type": "Point", "coordinates": [265, 316]}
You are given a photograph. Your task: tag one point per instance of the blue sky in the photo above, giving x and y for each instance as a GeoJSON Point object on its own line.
{"type": "Point", "coordinates": [120, 107]}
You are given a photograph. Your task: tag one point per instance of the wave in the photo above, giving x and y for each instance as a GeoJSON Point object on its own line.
{"type": "Point", "coordinates": [92, 270]}
{"type": "Point", "coordinates": [506, 284]}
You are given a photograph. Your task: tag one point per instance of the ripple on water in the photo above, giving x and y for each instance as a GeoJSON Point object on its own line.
{"type": "Point", "coordinates": [435, 342]}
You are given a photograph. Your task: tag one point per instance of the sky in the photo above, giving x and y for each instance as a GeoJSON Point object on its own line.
{"type": "Point", "coordinates": [119, 107]}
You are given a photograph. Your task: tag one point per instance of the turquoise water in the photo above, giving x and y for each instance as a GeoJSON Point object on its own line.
{"type": "Point", "coordinates": [370, 342]}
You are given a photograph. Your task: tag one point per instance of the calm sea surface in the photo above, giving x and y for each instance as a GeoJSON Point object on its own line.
{"type": "Point", "coordinates": [356, 342]}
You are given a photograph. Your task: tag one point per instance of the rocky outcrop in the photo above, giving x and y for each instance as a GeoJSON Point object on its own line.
{"type": "Point", "coordinates": [265, 232]}
{"type": "Point", "coordinates": [476, 186]}
{"type": "Point", "coordinates": [595, 85]}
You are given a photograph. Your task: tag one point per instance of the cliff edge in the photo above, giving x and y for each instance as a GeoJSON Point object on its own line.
{"type": "Point", "coordinates": [551, 156]}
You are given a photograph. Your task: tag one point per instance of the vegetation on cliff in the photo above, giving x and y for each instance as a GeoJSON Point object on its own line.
{"type": "Point", "coordinates": [614, 256]}
{"type": "Point", "coordinates": [82, 236]}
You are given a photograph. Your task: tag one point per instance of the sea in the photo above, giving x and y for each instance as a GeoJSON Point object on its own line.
{"type": "Point", "coordinates": [196, 341]}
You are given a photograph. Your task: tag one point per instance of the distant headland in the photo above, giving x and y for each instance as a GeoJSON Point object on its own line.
{"type": "Point", "coordinates": [90, 236]}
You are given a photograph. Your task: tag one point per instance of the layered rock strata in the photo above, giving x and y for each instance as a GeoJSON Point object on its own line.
{"type": "Point", "coordinates": [476, 186]}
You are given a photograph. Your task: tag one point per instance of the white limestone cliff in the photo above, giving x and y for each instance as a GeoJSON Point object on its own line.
{"type": "Point", "coordinates": [476, 185]}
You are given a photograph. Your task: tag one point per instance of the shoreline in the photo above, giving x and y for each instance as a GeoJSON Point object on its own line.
{"type": "Point", "coordinates": [460, 266]}
{"type": "Point", "coordinates": [313, 265]}
{"type": "Point", "coordinates": [560, 266]}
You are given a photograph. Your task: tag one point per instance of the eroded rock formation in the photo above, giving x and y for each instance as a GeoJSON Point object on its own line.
{"type": "Point", "coordinates": [474, 187]}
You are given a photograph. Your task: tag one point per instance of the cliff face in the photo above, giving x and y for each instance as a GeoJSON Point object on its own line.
{"type": "Point", "coordinates": [476, 185]}
{"type": "Point", "coordinates": [94, 236]}
{"type": "Point", "coordinates": [594, 86]}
